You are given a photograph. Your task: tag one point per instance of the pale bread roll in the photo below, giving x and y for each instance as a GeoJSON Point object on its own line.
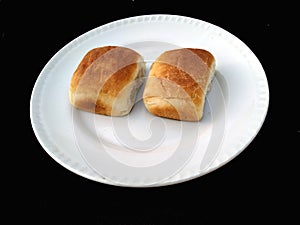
{"type": "Point", "coordinates": [178, 82]}
{"type": "Point", "coordinates": [107, 80]}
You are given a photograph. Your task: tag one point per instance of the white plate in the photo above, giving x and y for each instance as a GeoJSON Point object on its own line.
{"type": "Point", "coordinates": [141, 149]}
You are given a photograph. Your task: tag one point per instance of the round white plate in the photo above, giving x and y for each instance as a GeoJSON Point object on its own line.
{"type": "Point", "coordinates": [140, 149]}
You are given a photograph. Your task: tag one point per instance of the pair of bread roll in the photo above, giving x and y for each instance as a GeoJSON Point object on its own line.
{"type": "Point", "coordinates": [108, 78]}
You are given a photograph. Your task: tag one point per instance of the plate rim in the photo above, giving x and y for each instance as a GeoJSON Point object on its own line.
{"type": "Point", "coordinates": [39, 83]}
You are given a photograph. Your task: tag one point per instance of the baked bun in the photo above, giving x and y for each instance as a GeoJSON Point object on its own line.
{"type": "Point", "coordinates": [107, 80]}
{"type": "Point", "coordinates": [177, 84]}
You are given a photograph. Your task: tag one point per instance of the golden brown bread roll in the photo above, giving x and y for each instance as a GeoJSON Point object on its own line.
{"type": "Point", "coordinates": [177, 84]}
{"type": "Point", "coordinates": [107, 80]}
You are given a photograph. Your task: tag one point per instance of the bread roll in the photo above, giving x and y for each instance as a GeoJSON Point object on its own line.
{"type": "Point", "coordinates": [107, 80]}
{"type": "Point", "coordinates": [177, 84]}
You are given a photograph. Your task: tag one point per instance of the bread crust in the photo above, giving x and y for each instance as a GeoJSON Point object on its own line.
{"type": "Point", "coordinates": [177, 83]}
{"type": "Point", "coordinates": [102, 75]}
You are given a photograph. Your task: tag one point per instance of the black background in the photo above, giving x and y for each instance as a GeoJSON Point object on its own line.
{"type": "Point", "coordinates": [254, 187]}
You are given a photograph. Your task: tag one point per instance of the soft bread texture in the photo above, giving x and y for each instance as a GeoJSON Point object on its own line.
{"type": "Point", "coordinates": [178, 82]}
{"type": "Point", "coordinates": [107, 80]}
